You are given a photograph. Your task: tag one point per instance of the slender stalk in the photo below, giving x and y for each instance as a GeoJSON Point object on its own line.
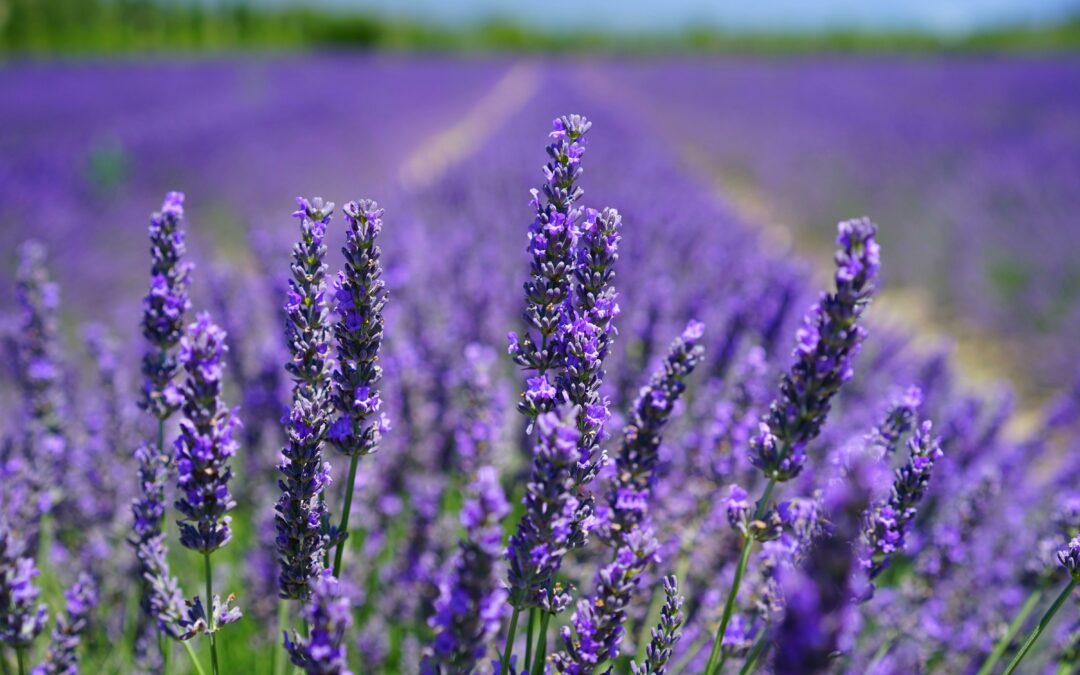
{"type": "Point", "coordinates": [657, 603]}
{"type": "Point", "coordinates": [755, 654]}
{"type": "Point", "coordinates": [1014, 628]}
{"type": "Point", "coordinates": [740, 570]}
{"type": "Point", "coordinates": [508, 650]}
{"type": "Point", "coordinates": [210, 615]}
{"type": "Point", "coordinates": [194, 658]}
{"type": "Point", "coordinates": [343, 529]}
{"type": "Point", "coordinates": [1043, 623]}
{"type": "Point", "coordinates": [280, 662]}
{"type": "Point", "coordinates": [541, 645]}
{"type": "Point", "coordinates": [20, 657]}
{"type": "Point", "coordinates": [529, 640]}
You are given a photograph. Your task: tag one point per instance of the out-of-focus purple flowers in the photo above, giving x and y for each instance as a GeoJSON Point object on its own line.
{"type": "Point", "coordinates": [471, 603]}
{"type": "Point", "coordinates": [62, 657]}
{"type": "Point", "coordinates": [301, 509]}
{"type": "Point", "coordinates": [22, 617]}
{"type": "Point", "coordinates": [888, 522]}
{"type": "Point", "coordinates": [328, 616]}
{"type": "Point", "coordinates": [206, 442]}
{"type": "Point", "coordinates": [826, 346]}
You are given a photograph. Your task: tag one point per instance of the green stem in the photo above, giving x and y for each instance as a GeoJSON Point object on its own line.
{"type": "Point", "coordinates": [508, 651]}
{"type": "Point", "coordinates": [20, 657]}
{"type": "Point", "coordinates": [280, 662]}
{"type": "Point", "coordinates": [1043, 623]}
{"type": "Point", "coordinates": [343, 529]}
{"type": "Point", "coordinates": [1014, 627]}
{"type": "Point", "coordinates": [740, 570]}
{"type": "Point", "coordinates": [541, 645]}
{"type": "Point", "coordinates": [529, 640]}
{"type": "Point", "coordinates": [755, 654]}
{"type": "Point", "coordinates": [194, 658]}
{"type": "Point", "coordinates": [886, 645]}
{"type": "Point", "coordinates": [210, 615]}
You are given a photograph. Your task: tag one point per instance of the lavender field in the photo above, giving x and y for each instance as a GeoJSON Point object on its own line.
{"type": "Point", "coordinates": [702, 402]}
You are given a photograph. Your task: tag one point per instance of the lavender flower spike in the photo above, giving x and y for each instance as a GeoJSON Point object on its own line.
{"type": "Point", "coordinates": [470, 605]}
{"type": "Point", "coordinates": [21, 618]}
{"type": "Point", "coordinates": [554, 522]}
{"type": "Point", "coordinates": [552, 248]}
{"type": "Point", "coordinates": [360, 293]}
{"type": "Point", "coordinates": [598, 621]}
{"type": "Point", "coordinates": [888, 522]}
{"type": "Point", "coordinates": [62, 658]}
{"type": "Point", "coordinates": [828, 342]}
{"type": "Point", "coordinates": [164, 307]}
{"type": "Point", "coordinates": [300, 511]}
{"type": "Point", "coordinates": [665, 635]}
{"type": "Point", "coordinates": [329, 617]}
{"type": "Point", "coordinates": [639, 452]}
{"type": "Point", "coordinates": [206, 441]}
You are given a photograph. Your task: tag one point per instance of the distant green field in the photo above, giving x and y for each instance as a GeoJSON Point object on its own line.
{"type": "Point", "coordinates": [117, 26]}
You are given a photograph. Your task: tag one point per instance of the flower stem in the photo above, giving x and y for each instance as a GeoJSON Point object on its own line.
{"type": "Point", "coordinates": [280, 661]}
{"type": "Point", "coordinates": [529, 639]}
{"type": "Point", "coordinates": [740, 570]}
{"type": "Point", "coordinates": [541, 645]}
{"type": "Point", "coordinates": [194, 658]}
{"type": "Point", "coordinates": [755, 654]}
{"type": "Point", "coordinates": [343, 529]}
{"type": "Point", "coordinates": [508, 651]}
{"type": "Point", "coordinates": [1043, 623]}
{"type": "Point", "coordinates": [210, 618]}
{"type": "Point", "coordinates": [20, 657]}
{"type": "Point", "coordinates": [1014, 628]}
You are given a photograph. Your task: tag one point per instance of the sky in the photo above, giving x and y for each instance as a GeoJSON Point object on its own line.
{"type": "Point", "coordinates": [941, 16]}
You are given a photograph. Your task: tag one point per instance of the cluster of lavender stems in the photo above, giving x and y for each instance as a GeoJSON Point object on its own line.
{"type": "Point", "coordinates": [826, 346]}
{"type": "Point", "coordinates": [570, 307]}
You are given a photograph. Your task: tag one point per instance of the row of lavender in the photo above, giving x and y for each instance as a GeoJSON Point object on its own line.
{"type": "Point", "coordinates": [970, 164]}
{"type": "Point", "coordinates": [410, 591]}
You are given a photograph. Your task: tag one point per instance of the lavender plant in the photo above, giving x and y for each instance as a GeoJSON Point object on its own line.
{"type": "Point", "coordinates": [328, 617]}
{"type": "Point", "coordinates": [22, 618]}
{"type": "Point", "coordinates": [665, 635]}
{"type": "Point", "coordinates": [62, 657]}
{"type": "Point", "coordinates": [203, 449]}
{"type": "Point", "coordinates": [826, 346]}
{"type": "Point", "coordinates": [360, 297]}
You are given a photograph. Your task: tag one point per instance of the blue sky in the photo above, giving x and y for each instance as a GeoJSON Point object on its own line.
{"type": "Point", "coordinates": [946, 16]}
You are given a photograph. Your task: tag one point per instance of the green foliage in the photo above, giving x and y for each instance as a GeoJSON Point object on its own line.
{"type": "Point", "coordinates": [69, 27]}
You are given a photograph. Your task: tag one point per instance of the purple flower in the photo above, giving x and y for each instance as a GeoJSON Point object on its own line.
{"type": "Point", "coordinates": [827, 344]}
{"type": "Point", "coordinates": [639, 452]}
{"type": "Point", "coordinates": [597, 624]}
{"type": "Point", "coordinates": [360, 294]}
{"type": "Point", "coordinates": [300, 510]}
{"type": "Point", "coordinates": [1069, 557]}
{"type": "Point", "coordinates": [888, 522]}
{"type": "Point", "coordinates": [329, 617]}
{"type": "Point", "coordinates": [206, 442]}
{"type": "Point", "coordinates": [62, 657]}
{"type": "Point", "coordinates": [471, 603]}
{"type": "Point", "coordinates": [555, 522]}
{"type": "Point", "coordinates": [665, 635]}
{"type": "Point", "coordinates": [164, 306]}
{"type": "Point", "coordinates": [22, 618]}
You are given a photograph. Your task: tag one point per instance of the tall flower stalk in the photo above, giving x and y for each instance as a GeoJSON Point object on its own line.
{"type": "Point", "coordinates": [163, 326]}
{"type": "Point", "coordinates": [665, 635]}
{"type": "Point", "coordinates": [328, 617]}
{"type": "Point", "coordinates": [360, 295]}
{"type": "Point", "coordinates": [62, 657]}
{"type": "Point", "coordinates": [22, 618]}
{"type": "Point", "coordinates": [203, 449]}
{"type": "Point", "coordinates": [301, 509]}
{"type": "Point", "coordinates": [570, 308]}
{"type": "Point", "coordinates": [826, 346]}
